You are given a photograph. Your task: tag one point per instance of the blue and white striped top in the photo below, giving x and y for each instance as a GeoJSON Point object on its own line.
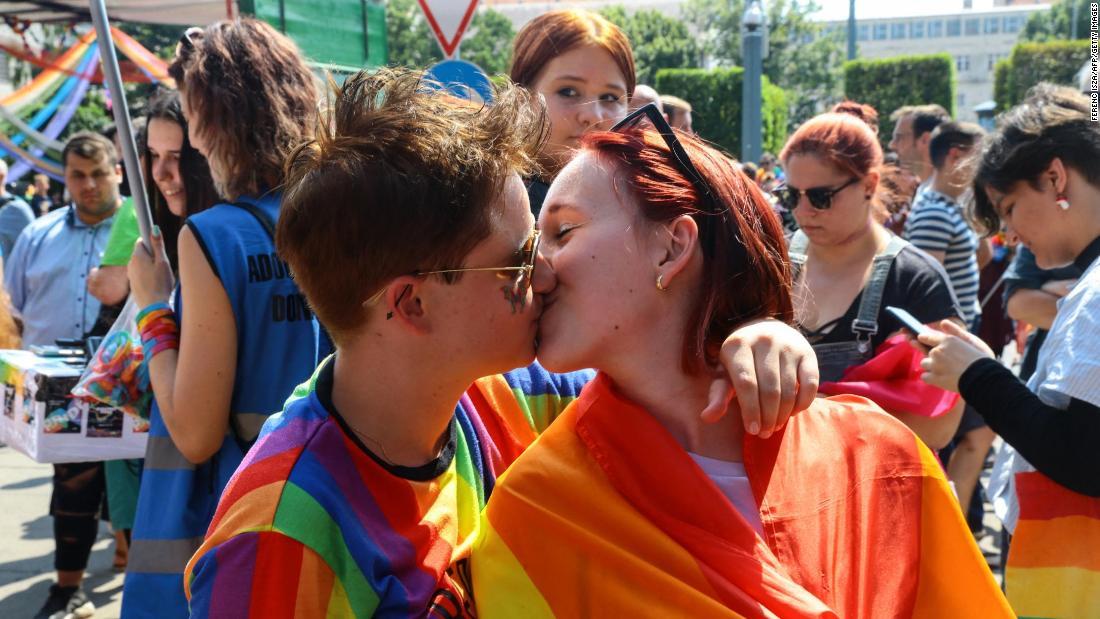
{"type": "Point", "coordinates": [936, 224]}
{"type": "Point", "coordinates": [1068, 368]}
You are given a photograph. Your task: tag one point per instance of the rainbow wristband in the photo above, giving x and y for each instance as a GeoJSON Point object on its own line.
{"type": "Point", "coordinates": [158, 328]}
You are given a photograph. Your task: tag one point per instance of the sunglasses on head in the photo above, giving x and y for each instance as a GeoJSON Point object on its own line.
{"type": "Point", "coordinates": [821, 198]}
{"type": "Point", "coordinates": [650, 112]}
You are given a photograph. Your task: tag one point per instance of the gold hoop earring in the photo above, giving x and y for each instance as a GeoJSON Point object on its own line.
{"type": "Point", "coordinates": [660, 284]}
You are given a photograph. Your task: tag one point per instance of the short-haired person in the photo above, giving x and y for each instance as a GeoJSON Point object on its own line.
{"type": "Point", "coordinates": [936, 221]}
{"type": "Point", "coordinates": [645, 94]}
{"type": "Point", "coordinates": [582, 66]}
{"type": "Point", "coordinates": [40, 201]}
{"type": "Point", "coordinates": [912, 133]}
{"type": "Point", "coordinates": [847, 267]}
{"type": "Point", "coordinates": [45, 276]}
{"type": "Point", "coordinates": [678, 112]}
{"type": "Point", "coordinates": [241, 335]}
{"type": "Point", "coordinates": [937, 225]}
{"type": "Point", "coordinates": [15, 214]}
{"type": "Point", "coordinates": [407, 224]}
{"type": "Point", "coordinates": [628, 505]}
{"type": "Point", "coordinates": [1038, 177]}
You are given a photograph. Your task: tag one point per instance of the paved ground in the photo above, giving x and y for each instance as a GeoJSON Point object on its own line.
{"type": "Point", "coordinates": [26, 544]}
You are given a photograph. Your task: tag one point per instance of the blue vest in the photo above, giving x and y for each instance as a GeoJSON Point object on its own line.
{"type": "Point", "coordinates": [279, 343]}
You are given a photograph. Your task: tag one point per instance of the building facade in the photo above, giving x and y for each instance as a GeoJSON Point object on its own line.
{"type": "Point", "coordinates": [976, 39]}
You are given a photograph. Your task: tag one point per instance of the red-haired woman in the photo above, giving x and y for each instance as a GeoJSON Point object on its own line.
{"type": "Point", "coordinates": [848, 268]}
{"type": "Point", "coordinates": [629, 505]}
{"type": "Point", "coordinates": [583, 67]}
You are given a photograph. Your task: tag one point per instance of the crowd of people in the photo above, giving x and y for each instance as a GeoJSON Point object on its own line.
{"type": "Point", "coordinates": [558, 356]}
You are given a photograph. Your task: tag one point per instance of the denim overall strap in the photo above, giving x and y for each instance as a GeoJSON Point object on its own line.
{"type": "Point", "coordinates": [865, 326]}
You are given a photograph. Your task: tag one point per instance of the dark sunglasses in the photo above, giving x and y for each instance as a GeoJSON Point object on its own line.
{"type": "Point", "coordinates": [821, 198]}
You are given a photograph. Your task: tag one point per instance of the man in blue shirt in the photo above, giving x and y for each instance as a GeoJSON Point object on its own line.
{"type": "Point", "coordinates": [15, 214]}
{"type": "Point", "coordinates": [46, 277]}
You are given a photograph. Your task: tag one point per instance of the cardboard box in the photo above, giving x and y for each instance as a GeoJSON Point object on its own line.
{"type": "Point", "coordinates": [40, 418]}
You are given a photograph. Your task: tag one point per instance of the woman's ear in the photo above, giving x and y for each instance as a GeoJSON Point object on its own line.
{"type": "Point", "coordinates": [1057, 176]}
{"type": "Point", "coordinates": [870, 184]}
{"type": "Point", "coordinates": [679, 245]}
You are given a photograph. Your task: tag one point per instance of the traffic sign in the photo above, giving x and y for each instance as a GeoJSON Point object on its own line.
{"type": "Point", "coordinates": [462, 79]}
{"type": "Point", "coordinates": [448, 20]}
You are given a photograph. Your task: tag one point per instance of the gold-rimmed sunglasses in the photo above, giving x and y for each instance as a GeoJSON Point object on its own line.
{"type": "Point", "coordinates": [524, 273]}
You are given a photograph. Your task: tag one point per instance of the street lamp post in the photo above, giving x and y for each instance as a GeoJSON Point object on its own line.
{"type": "Point", "coordinates": [852, 30]}
{"type": "Point", "coordinates": [754, 33]}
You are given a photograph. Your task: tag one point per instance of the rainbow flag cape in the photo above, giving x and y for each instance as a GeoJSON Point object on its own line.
{"type": "Point", "coordinates": [1053, 568]}
{"type": "Point", "coordinates": [607, 516]}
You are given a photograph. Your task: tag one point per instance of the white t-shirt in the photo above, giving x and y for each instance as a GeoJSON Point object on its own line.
{"type": "Point", "coordinates": [1068, 367]}
{"type": "Point", "coordinates": [731, 479]}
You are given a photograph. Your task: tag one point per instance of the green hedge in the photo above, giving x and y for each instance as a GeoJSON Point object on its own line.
{"type": "Point", "coordinates": [715, 97]}
{"type": "Point", "coordinates": [890, 83]}
{"type": "Point", "coordinates": [1002, 95]}
{"type": "Point", "coordinates": [1031, 63]}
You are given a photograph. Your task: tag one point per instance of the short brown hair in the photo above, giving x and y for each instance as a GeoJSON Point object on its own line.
{"type": "Point", "coordinates": [251, 97]}
{"type": "Point", "coordinates": [925, 117]}
{"type": "Point", "coordinates": [90, 146]}
{"type": "Point", "coordinates": [554, 33]}
{"type": "Point", "coordinates": [399, 178]}
{"type": "Point", "coordinates": [673, 103]}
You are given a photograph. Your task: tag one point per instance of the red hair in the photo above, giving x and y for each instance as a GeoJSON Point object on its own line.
{"type": "Point", "coordinates": [552, 34]}
{"type": "Point", "coordinates": [746, 274]}
{"type": "Point", "coordinates": [843, 140]}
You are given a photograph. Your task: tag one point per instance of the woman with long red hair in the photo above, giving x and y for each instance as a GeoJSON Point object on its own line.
{"type": "Point", "coordinates": [630, 505]}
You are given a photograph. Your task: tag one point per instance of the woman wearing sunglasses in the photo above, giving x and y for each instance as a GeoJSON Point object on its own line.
{"type": "Point", "coordinates": [628, 506]}
{"type": "Point", "coordinates": [848, 268]}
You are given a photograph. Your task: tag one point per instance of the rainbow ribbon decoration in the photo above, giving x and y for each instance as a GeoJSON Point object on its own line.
{"type": "Point", "coordinates": [63, 85]}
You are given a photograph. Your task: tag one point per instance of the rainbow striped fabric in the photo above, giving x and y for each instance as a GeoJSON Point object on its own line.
{"type": "Point", "coordinates": [1053, 568]}
{"type": "Point", "coordinates": [858, 521]}
{"type": "Point", "coordinates": [313, 525]}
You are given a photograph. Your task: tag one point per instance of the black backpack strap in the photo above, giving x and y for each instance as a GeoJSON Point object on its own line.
{"type": "Point", "coordinates": [265, 220]}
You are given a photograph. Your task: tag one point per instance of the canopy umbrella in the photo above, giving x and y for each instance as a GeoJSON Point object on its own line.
{"type": "Point", "coordinates": [174, 12]}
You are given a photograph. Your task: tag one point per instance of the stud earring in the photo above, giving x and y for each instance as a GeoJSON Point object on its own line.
{"type": "Point", "coordinates": [1062, 202]}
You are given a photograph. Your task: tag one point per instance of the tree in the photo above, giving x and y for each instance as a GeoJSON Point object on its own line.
{"type": "Point", "coordinates": [658, 41]}
{"type": "Point", "coordinates": [488, 42]}
{"type": "Point", "coordinates": [803, 58]}
{"type": "Point", "coordinates": [410, 39]}
{"type": "Point", "coordinates": [1055, 24]}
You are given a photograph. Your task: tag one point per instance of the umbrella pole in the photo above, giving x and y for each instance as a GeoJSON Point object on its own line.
{"type": "Point", "coordinates": [113, 79]}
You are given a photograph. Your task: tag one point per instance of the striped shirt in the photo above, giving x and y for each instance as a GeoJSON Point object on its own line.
{"type": "Point", "coordinates": [315, 525]}
{"type": "Point", "coordinates": [936, 224]}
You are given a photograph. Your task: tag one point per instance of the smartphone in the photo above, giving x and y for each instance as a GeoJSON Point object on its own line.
{"type": "Point", "coordinates": [908, 320]}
